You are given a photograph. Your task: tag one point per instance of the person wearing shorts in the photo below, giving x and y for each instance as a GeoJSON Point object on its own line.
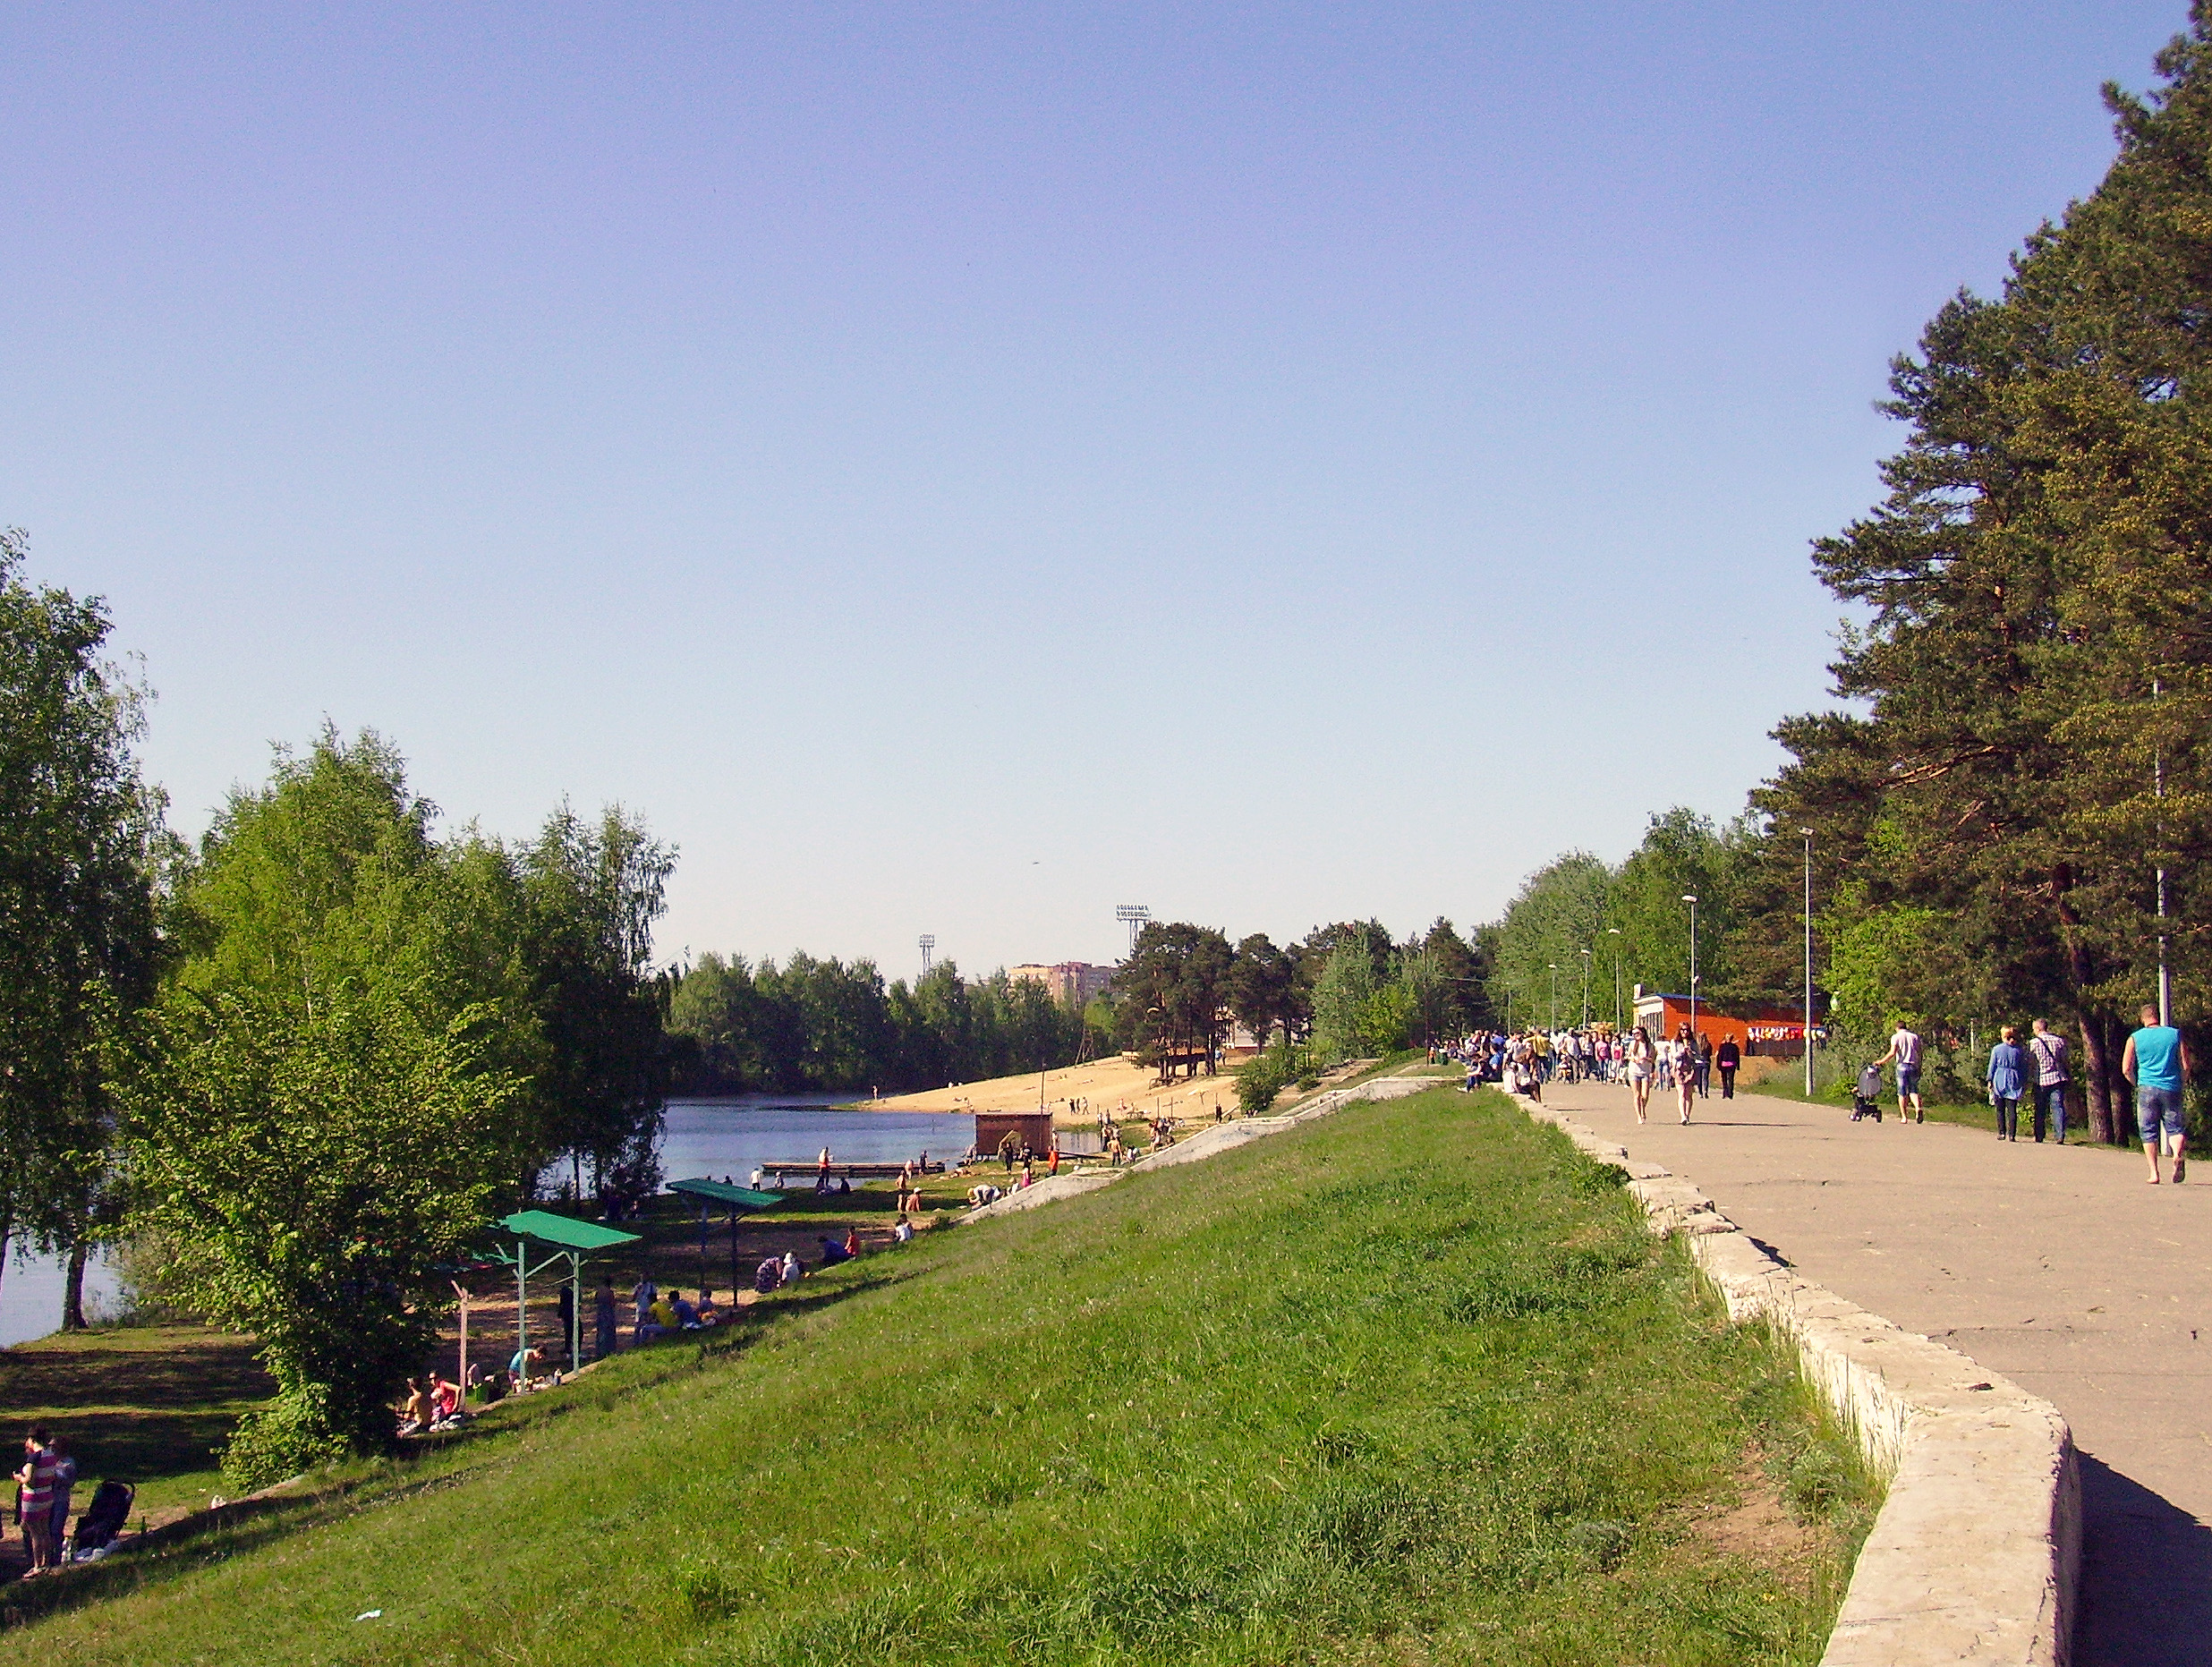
{"type": "Point", "coordinates": [2156, 1061]}
{"type": "Point", "coordinates": [1904, 1050]}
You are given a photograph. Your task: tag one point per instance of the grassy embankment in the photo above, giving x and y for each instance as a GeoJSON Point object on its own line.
{"type": "Point", "coordinates": [1412, 1384]}
{"type": "Point", "coordinates": [149, 1404]}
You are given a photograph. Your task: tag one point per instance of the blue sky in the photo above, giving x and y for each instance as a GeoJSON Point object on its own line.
{"type": "Point", "coordinates": [956, 469]}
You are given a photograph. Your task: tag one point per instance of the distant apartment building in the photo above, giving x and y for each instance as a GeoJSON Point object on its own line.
{"type": "Point", "coordinates": [1074, 983]}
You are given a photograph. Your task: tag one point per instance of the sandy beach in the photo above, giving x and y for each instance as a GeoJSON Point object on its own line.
{"type": "Point", "coordinates": [1116, 1084]}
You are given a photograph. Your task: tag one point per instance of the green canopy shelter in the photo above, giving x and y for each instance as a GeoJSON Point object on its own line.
{"type": "Point", "coordinates": [558, 1238]}
{"type": "Point", "coordinates": [737, 1200]}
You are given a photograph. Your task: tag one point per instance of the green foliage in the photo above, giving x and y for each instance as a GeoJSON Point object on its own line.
{"type": "Point", "coordinates": [815, 1023]}
{"type": "Point", "coordinates": [287, 1437]}
{"type": "Point", "coordinates": [1343, 1000]}
{"type": "Point", "coordinates": [79, 837]}
{"type": "Point", "coordinates": [316, 1164]}
{"type": "Point", "coordinates": [2031, 685]}
{"type": "Point", "coordinates": [371, 1041]}
{"type": "Point", "coordinates": [1173, 991]}
{"type": "Point", "coordinates": [1260, 1080]}
{"type": "Point", "coordinates": [1265, 1426]}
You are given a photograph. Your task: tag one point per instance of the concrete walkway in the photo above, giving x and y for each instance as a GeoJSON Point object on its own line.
{"type": "Point", "coordinates": [2058, 1267]}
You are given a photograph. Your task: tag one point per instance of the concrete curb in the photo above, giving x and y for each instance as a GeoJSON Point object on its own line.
{"type": "Point", "coordinates": [1976, 1555]}
{"type": "Point", "coordinates": [1205, 1143]}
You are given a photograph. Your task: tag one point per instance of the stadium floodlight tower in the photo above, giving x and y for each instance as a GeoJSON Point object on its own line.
{"type": "Point", "coordinates": [1134, 915]}
{"type": "Point", "coordinates": [928, 940]}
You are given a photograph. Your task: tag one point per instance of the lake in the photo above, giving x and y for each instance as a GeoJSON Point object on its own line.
{"type": "Point", "coordinates": [31, 1294]}
{"type": "Point", "coordinates": [728, 1136]}
{"type": "Point", "coordinates": [714, 1137]}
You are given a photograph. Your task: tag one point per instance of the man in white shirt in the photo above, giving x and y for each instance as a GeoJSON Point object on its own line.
{"type": "Point", "coordinates": [1904, 1048]}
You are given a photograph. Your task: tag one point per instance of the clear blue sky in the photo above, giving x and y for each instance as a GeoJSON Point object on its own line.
{"type": "Point", "coordinates": [956, 469]}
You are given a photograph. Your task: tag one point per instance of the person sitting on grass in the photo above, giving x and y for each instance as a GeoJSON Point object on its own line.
{"type": "Point", "coordinates": [903, 1232]}
{"type": "Point", "coordinates": [661, 1320]}
{"type": "Point", "coordinates": [520, 1364]}
{"type": "Point", "coordinates": [852, 1241]}
{"type": "Point", "coordinates": [769, 1275]}
{"type": "Point", "coordinates": [414, 1412]}
{"type": "Point", "coordinates": [687, 1316]}
{"type": "Point", "coordinates": [444, 1402]}
{"type": "Point", "coordinates": [794, 1270]}
{"type": "Point", "coordinates": [833, 1252]}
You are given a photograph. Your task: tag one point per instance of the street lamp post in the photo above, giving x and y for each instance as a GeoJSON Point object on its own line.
{"type": "Point", "coordinates": [1808, 961]}
{"type": "Point", "coordinates": [1585, 989]}
{"type": "Point", "coordinates": [1555, 995]}
{"type": "Point", "coordinates": [1614, 934]}
{"type": "Point", "coordinates": [1693, 964]}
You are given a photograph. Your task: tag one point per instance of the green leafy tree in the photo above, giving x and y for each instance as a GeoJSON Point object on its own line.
{"type": "Point", "coordinates": [315, 1162]}
{"type": "Point", "coordinates": [2033, 683]}
{"type": "Point", "coordinates": [1344, 998]}
{"type": "Point", "coordinates": [1260, 980]}
{"type": "Point", "coordinates": [1561, 909]}
{"type": "Point", "coordinates": [79, 838]}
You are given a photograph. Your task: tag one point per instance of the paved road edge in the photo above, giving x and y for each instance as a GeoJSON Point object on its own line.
{"type": "Point", "coordinates": [1976, 1555]}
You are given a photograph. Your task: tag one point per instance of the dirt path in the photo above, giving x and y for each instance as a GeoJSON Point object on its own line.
{"type": "Point", "coordinates": [2058, 1267]}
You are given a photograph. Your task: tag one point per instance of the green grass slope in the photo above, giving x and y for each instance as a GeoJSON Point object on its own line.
{"type": "Point", "coordinates": [1409, 1385]}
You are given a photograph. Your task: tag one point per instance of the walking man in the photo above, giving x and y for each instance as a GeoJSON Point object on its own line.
{"type": "Point", "coordinates": [2047, 1053]}
{"type": "Point", "coordinates": [1904, 1051]}
{"type": "Point", "coordinates": [2156, 1061]}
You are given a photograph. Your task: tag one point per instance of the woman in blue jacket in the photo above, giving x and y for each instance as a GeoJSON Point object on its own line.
{"type": "Point", "coordinates": [2008, 1081]}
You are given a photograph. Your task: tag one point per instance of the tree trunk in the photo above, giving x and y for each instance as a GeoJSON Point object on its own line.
{"type": "Point", "coordinates": [7, 1228]}
{"type": "Point", "coordinates": [2096, 1062]}
{"type": "Point", "coordinates": [72, 1288]}
{"type": "Point", "coordinates": [2096, 1077]}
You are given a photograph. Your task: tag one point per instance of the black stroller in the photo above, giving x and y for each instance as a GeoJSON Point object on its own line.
{"type": "Point", "coordinates": [1867, 1094]}
{"type": "Point", "coordinates": [102, 1520]}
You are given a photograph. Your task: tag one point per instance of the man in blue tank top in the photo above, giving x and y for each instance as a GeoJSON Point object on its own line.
{"type": "Point", "coordinates": [2156, 1061]}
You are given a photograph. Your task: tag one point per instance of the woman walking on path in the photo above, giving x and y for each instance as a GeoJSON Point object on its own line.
{"type": "Point", "coordinates": [2046, 1050]}
{"type": "Point", "coordinates": [1642, 1060]}
{"type": "Point", "coordinates": [2008, 1080]}
{"type": "Point", "coordinates": [1727, 1059]}
{"type": "Point", "coordinates": [1686, 1070]}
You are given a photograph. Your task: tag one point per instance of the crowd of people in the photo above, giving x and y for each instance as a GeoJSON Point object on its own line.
{"type": "Point", "coordinates": [1684, 1064]}
{"type": "Point", "coordinates": [2032, 1073]}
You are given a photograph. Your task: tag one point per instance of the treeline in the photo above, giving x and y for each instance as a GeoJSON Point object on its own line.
{"type": "Point", "coordinates": [304, 1063]}
{"type": "Point", "coordinates": [813, 1023]}
{"type": "Point", "coordinates": [1343, 990]}
{"type": "Point", "coordinates": [1582, 929]}
{"type": "Point", "coordinates": [2027, 745]}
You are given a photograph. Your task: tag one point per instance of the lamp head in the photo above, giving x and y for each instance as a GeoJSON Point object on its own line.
{"type": "Point", "coordinates": [1687, 898]}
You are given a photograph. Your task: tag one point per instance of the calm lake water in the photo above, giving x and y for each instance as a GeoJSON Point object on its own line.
{"type": "Point", "coordinates": [31, 1294]}
{"type": "Point", "coordinates": [719, 1138]}
{"type": "Point", "coordinates": [714, 1137]}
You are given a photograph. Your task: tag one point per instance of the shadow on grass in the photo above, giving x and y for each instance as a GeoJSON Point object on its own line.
{"type": "Point", "coordinates": [140, 1404]}
{"type": "Point", "coordinates": [183, 1547]}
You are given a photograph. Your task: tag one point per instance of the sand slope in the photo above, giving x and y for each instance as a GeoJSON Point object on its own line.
{"type": "Point", "coordinates": [1112, 1084]}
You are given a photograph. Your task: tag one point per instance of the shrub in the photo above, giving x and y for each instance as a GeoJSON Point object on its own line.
{"type": "Point", "coordinates": [284, 1439]}
{"type": "Point", "coordinates": [1259, 1081]}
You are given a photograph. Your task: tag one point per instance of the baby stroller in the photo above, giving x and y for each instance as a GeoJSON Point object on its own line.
{"type": "Point", "coordinates": [102, 1520]}
{"type": "Point", "coordinates": [1867, 1094]}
